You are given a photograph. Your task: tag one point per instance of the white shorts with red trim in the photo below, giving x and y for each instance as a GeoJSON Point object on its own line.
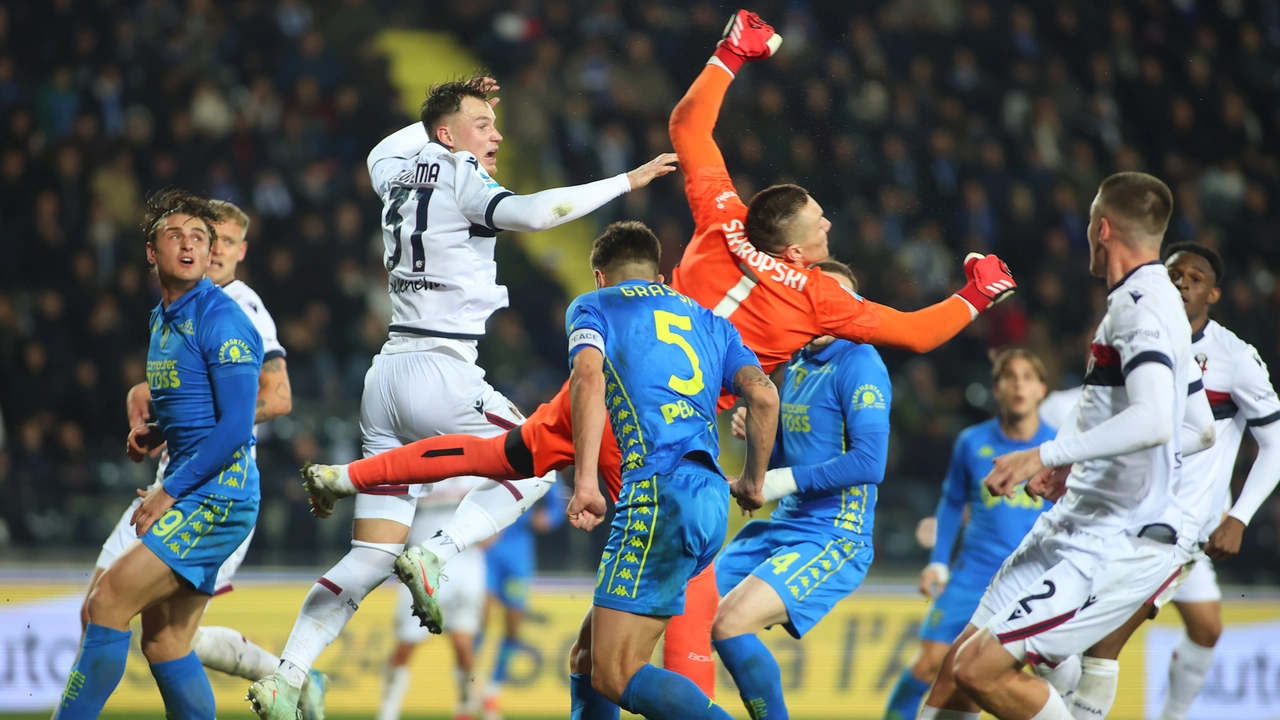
{"type": "Point", "coordinates": [409, 396]}
{"type": "Point", "coordinates": [1064, 589]}
{"type": "Point", "coordinates": [1199, 585]}
{"type": "Point", "coordinates": [123, 535]}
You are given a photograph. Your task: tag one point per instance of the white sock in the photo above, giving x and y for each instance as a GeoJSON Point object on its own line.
{"type": "Point", "coordinates": [395, 687]}
{"type": "Point", "coordinates": [344, 480]}
{"type": "Point", "coordinates": [1055, 708]}
{"type": "Point", "coordinates": [487, 510]}
{"type": "Point", "coordinates": [1063, 678]}
{"type": "Point", "coordinates": [332, 601]}
{"type": "Point", "coordinates": [226, 650]}
{"type": "Point", "coordinates": [468, 698]}
{"type": "Point", "coordinates": [930, 713]}
{"type": "Point", "coordinates": [1187, 671]}
{"type": "Point", "coordinates": [1096, 691]}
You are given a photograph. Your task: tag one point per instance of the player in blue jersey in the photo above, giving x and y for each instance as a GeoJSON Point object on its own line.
{"type": "Point", "coordinates": [828, 461]}
{"type": "Point", "coordinates": [996, 524]}
{"type": "Point", "coordinates": [203, 364]}
{"type": "Point", "coordinates": [653, 362]}
{"type": "Point", "coordinates": [511, 570]}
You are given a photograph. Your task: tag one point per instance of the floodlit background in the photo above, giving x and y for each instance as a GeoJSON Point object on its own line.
{"type": "Point", "coordinates": [925, 128]}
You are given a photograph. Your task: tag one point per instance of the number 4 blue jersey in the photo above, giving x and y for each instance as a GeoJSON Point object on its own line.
{"type": "Point", "coordinates": [666, 358]}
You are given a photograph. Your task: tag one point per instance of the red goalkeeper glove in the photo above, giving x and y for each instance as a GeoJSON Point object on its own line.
{"type": "Point", "coordinates": [989, 281]}
{"type": "Point", "coordinates": [746, 38]}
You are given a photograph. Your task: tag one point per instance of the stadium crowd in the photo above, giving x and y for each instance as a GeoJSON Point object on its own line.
{"type": "Point", "coordinates": [925, 128]}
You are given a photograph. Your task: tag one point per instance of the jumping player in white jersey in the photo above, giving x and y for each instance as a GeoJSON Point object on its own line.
{"type": "Point", "coordinates": [1109, 545]}
{"type": "Point", "coordinates": [442, 212]}
{"type": "Point", "coordinates": [463, 594]}
{"type": "Point", "coordinates": [221, 648]}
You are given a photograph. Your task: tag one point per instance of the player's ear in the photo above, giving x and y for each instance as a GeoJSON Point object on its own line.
{"type": "Point", "coordinates": [443, 136]}
{"type": "Point", "coordinates": [601, 280]}
{"type": "Point", "coordinates": [793, 254]}
{"type": "Point", "coordinates": [1215, 295]}
{"type": "Point", "coordinates": [151, 253]}
{"type": "Point", "coordinates": [661, 280]}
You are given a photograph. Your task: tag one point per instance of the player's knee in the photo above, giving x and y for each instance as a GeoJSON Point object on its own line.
{"type": "Point", "coordinates": [611, 680]}
{"type": "Point", "coordinates": [1205, 633]}
{"type": "Point", "coordinates": [927, 664]}
{"type": "Point", "coordinates": [580, 659]}
{"type": "Point", "coordinates": [969, 671]}
{"type": "Point", "coordinates": [98, 606]}
{"type": "Point", "coordinates": [728, 621]}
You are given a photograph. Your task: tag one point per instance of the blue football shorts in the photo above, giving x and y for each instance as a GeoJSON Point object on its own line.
{"type": "Point", "coordinates": [511, 567]}
{"type": "Point", "coordinates": [811, 565]}
{"type": "Point", "coordinates": [667, 529]}
{"type": "Point", "coordinates": [199, 533]}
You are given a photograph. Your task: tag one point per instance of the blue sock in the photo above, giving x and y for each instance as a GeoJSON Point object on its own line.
{"type": "Point", "coordinates": [185, 688]}
{"type": "Point", "coordinates": [508, 648]}
{"type": "Point", "coordinates": [663, 695]}
{"type": "Point", "coordinates": [756, 674]}
{"type": "Point", "coordinates": [587, 704]}
{"type": "Point", "coordinates": [904, 701]}
{"type": "Point", "coordinates": [96, 674]}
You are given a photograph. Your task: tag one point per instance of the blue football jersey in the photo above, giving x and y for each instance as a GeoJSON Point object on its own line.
{"type": "Point", "coordinates": [827, 397]}
{"type": "Point", "coordinates": [666, 359]}
{"type": "Point", "coordinates": [996, 524]}
{"type": "Point", "coordinates": [202, 335]}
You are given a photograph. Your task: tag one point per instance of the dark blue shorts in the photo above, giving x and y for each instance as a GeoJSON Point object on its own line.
{"type": "Point", "coordinates": [199, 533]}
{"type": "Point", "coordinates": [811, 567]}
{"type": "Point", "coordinates": [667, 529]}
{"type": "Point", "coordinates": [511, 568]}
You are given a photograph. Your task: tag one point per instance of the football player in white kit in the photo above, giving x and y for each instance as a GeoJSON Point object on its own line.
{"type": "Point", "coordinates": [441, 213]}
{"type": "Point", "coordinates": [222, 648]}
{"type": "Point", "coordinates": [1109, 545]}
{"type": "Point", "coordinates": [463, 594]}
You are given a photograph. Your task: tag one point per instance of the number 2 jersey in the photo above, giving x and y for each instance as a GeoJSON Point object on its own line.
{"type": "Point", "coordinates": [1240, 395]}
{"type": "Point", "coordinates": [666, 360]}
{"type": "Point", "coordinates": [1145, 323]}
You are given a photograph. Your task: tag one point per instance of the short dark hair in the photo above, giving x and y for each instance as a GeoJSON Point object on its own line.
{"type": "Point", "coordinates": [769, 213]}
{"type": "Point", "coordinates": [831, 265]}
{"type": "Point", "coordinates": [1210, 256]}
{"type": "Point", "coordinates": [625, 243]}
{"type": "Point", "coordinates": [445, 99]}
{"type": "Point", "coordinates": [1141, 198]}
{"type": "Point", "coordinates": [172, 200]}
{"type": "Point", "coordinates": [1000, 363]}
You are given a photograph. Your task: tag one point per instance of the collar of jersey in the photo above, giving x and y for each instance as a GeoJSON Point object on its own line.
{"type": "Point", "coordinates": [823, 356]}
{"type": "Point", "coordinates": [638, 281]}
{"type": "Point", "coordinates": [177, 305]}
{"type": "Point", "coordinates": [1199, 335]}
{"type": "Point", "coordinates": [1130, 274]}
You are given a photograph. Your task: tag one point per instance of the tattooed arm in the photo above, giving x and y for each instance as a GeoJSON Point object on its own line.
{"type": "Point", "coordinates": [275, 396]}
{"type": "Point", "coordinates": [757, 390]}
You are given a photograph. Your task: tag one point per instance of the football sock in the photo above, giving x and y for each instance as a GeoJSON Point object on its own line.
{"type": "Point", "coordinates": [468, 697]}
{"type": "Point", "coordinates": [434, 459]}
{"type": "Point", "coordinates": [485, 511]}
{"type": "Point", "coordinates": [97, 672]}
{"type": "Point", "coordinates": [1187, 671]}
{"type": "Point", "coordinates": [1064, 677]}
{"type": "Point", "coordinates": [686, 650]}
{"type": "Point", "coordinates": [1096, 690]}
{"type": "Point", "coordinates": [586, 703]}
{"type": "Point", "coordinates": [508, 648]}
{"type": "Point", "coordinates": [332, 601]}
{"type": "Point", "coordinates": [395, 685]}
{"type": "Point", "coordinates": [1055, 708]}
{"type": "Point", "coordinates": [756, 673]}
{"type": "Point", "coordinates": [227, 651]}
{"type": "Point", "coordinates": [663, 695]}
{"type": "Point", "coordinates": [904, 701]}
{"type": "Point", "coordinates": [185, 688]}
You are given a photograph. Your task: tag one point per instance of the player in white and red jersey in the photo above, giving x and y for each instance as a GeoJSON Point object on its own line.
{"type": "Point", "coordinates": [441, 213]}
{"type": "Point", "coordinates": [1108, 546]}
{"type": "Point", "coordinates": [1241, 396]}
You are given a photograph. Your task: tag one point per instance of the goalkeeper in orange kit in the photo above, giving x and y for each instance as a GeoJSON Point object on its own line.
{"type": "Point", "coordinates": [749, 264]}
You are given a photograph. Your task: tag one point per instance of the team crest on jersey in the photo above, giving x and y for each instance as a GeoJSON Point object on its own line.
{"type": "Point", "coordinates": [164, 336]}
{"type": "Point", "coordinates": [799, 374]}
{"type": "Point", "coordinates": [1203, 361]}
{"type": "Point", "coordinates": [868, 397]}
{"type": "Point", "coordinates": [235, 350]}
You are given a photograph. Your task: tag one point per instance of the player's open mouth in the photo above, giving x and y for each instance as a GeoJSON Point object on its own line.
{"type": "Point", "coordinates": [187, 261]}
{"type": "Point", "coordinates": [491, 155]}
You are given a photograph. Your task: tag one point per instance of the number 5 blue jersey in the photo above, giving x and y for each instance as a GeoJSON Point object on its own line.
{"type": "Point", "coordinates": [666, 359]}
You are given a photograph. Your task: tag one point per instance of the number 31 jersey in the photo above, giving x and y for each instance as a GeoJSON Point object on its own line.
{"type": "Point", "coordinates": [666, 359]}
{"type": "Point", "coordinates": [437, 225]}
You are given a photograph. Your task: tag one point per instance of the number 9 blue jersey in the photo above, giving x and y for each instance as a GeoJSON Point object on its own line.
{"type": "Point", "coordinates": [666, 358]}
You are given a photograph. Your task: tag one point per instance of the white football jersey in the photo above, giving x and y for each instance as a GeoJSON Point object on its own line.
{"type": "Point", "coordinates": [1145, 322]}
{"type": "Point", "coordinates": [1241, 395]}
{"type": "Point", "coordinates": [1057, 406]}
{"type": "Point", "coordinates": [249, 301]}
{"type": "Point", "coordinates": [437, 226]}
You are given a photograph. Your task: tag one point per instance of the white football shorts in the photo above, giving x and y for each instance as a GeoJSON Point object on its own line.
{"type": "Point", "coordinates": [409, 396]}
{"type": "Point", "coordinates": [1064, 589]}
{"type": "Point", "coordinates": [1201, 583]}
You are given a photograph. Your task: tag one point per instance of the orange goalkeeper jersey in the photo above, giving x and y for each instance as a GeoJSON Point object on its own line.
{"type": "Point", "coordinates": [776, 306]}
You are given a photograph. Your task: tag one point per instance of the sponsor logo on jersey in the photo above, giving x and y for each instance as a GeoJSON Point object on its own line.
{"type": "Point", "coordinates": [235, 350]}
{"type": "Point", "coordinates": [868, 397]}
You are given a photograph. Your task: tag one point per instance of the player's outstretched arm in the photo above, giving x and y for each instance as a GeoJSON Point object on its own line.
{"type": "Point", "coordinates": [275, 395]}
{"type": "Point", "coordinates": [988, 281]}
{"type": "Point", "coordinates": [586, 400]}
{"type": "Point", "coordinates": [557, 206]}
{"type": "Point", "coordinates": [757, 390]}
